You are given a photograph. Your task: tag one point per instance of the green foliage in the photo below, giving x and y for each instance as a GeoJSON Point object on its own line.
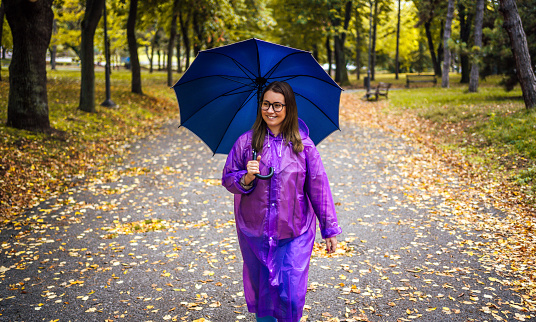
{"type": "Point", "coordinates": [68, 15]}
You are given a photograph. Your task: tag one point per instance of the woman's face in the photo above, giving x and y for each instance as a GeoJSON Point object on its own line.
{"type": "Point", "coordinates": [272, 118]}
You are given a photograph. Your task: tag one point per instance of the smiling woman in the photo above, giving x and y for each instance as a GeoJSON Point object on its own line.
{"type": "Point", "coordinates": [275, 218]}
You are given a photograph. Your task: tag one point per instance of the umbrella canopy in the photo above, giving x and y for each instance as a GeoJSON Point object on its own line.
{"type": "Point", "coordinates": [219, 94]}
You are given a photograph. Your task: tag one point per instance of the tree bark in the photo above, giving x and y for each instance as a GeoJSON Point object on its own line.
{"type": "Point", "coordinates": [133, 48]}
{"type": "Point", "coordinates": [171, 42]}
{"type": "Point", "coordinates": [31, 27]}
{"type": "Point", "coordinates": [518, 40]}
{"type": "Point", "coordinates": [1, 30]}
{"type": "Point", "coordinates": [465, 32]}
{"type": "Point", "coordinates": [357, 44]}
{"type": "Point", "coordinates": [341, 73]}
{"type": "Point", "coordinates": [178, 48]}
{"type": "Point", "coordinates": [54, 48]}
{"type": "Point", "coordinates": [397, 65]}
{"type": "Point", "coordinates": [479, 20]}
{"type": "Point", "coordinates": [198, 28]}
{"type": "Point", "coordinates": [328, 53]}
{"type": "Point", "coordinates": [185, 38]}
{"type": "Point", "coordinates": [374, 29]}
{"type": "Point", "coordinates": [446, 50]}
{"type": "Point", "coordinates": [92, 16]}
{"type": "Point", "coordinates": [427, 26]}
{"type": "Point", "coordinates": [440, 50]}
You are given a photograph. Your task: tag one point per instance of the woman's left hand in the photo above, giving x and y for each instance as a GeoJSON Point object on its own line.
{"type": "Point", "coordinates": [331, 244]}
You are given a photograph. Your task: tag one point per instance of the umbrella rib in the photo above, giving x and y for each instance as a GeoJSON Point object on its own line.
{"type": "Point", "coordinates": [229, 125]}
{"type": "Point", "coordinates": [222, 76]}
{"type": "Point", "coordinates": [243, 68]}
{"type": "Point", "coordinates": [273, 69]}
{"type": "Point", "coordinates": [212, 100]}
{"type": "Point", "coordinates": [319, 110]}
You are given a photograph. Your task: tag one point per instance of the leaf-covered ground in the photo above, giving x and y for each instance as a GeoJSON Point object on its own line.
{"type": "Point", "coordinates": [424, 237]}
{"type": "Point", "coordinates": [35, 166]}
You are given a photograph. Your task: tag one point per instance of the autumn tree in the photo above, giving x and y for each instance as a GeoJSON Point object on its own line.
{"type": "Point", "coordinates": [446, 49]}
{"type": "Point", "coordinates": [525, 73]}
{"type": "Point", "coordinates": [1, 28]}
{"type": "Point", "coordinates": [479, 20]}
{"type": "Point", "coordinates": [171, 42]}
{"type": "Point", "coordinates": [133, 48]}
{"type": "Point", "coordinates": [428, 11]}
{"type": "Point", "coordinates": [31, 27]}
{"type": "Point", "coordinates": [92, 15]}
{"type": "Point", "coordinates": [466, 16]}
{"type": "Point", "coordinates": [340, 22]}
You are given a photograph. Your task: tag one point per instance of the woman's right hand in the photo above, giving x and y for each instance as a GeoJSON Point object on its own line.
{"type": "Point", "coordinates": [253, 168]}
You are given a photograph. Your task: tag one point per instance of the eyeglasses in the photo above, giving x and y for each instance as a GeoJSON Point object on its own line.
{"type": "Point", "coordinates": [278, 107]}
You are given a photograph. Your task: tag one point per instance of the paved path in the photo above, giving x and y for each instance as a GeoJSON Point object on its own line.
{"type": "Point", "coordinates": [155, 240]}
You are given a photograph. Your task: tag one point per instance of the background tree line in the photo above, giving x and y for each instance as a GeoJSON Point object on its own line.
{"type": "Point", "coordinates": [391, 35]}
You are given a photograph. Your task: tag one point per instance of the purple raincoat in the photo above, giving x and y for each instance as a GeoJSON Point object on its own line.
{"type": "Point", "coordinates": [275, 221]}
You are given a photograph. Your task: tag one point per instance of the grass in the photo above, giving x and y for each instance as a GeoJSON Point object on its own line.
{"type": "Point", "coordinates": [491, 127]}
{"type": "Point", "coordinates": [36, 166]}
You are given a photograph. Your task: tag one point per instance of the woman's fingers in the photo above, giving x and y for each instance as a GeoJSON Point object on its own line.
{"type": "Point", "coordinates": [253, 167]}
{"type": "Point", "coordinates": [331, 245]}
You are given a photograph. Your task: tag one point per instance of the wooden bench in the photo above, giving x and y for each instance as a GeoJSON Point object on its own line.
{"type": "Point", "coordinates": [420, 79]}
{"type": "Point", "coordinates": [382, 89]}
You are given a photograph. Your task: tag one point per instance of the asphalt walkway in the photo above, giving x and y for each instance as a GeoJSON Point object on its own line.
{"type": "Point", "coordinates": [154, 240]}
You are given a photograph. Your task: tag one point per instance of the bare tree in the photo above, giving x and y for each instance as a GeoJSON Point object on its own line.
{"type": "Point", "coordinates": [479, 19]}
{"type": "Point", "coordinates": [446, 49]}
{"type": "Point", "coordinates": [31, 27]}
{"type": "Point", "coordinates": [518, 40]}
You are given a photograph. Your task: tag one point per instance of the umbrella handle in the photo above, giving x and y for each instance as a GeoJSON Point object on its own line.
{"type": "Point", "coordinates": [266, 177]}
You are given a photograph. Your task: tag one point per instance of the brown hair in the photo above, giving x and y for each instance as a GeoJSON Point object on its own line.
{"type": "Point", "coordinates": [289, 128]}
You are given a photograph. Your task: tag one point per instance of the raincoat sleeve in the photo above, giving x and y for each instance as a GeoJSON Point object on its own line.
{"type": "Point", "coordinates": [235, 169]}
{"type": "Point", "coordinates": [319, 193]}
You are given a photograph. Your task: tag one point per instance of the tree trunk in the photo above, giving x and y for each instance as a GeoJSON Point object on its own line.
{"type": "Point", "coordinates": [374, 29]}
{"type": "Point", "coordinates": [54, 48]}
{"type": "Point", "coordinates": [341, 73]}
{"type": "Point", "coordinates": [465, 32]}
{"type": "Point", "coordinates": [397, 65]}
{"type": "Point", "coordinates": [446, 50]}
{"type": "Point", "coordinates": [518, 40]}
{"type": "Point", "coordinates": [171, 42]}
{"type": "Point", "coordinates": [1, 31]}
{"type": "Point", "coordinates": [431, 48]}
{"type": "Point", "coordinates": [179, 65]}
{"type": "Point", "coordinates": [31, 27]}
{"type": "Point", "coordinates": [479, 19]}
{"type": "Point", "coordinates": [369, 55]}
{"type": "Point", "coordinates": [440, 51]}
{"type": "Point", "coordinates": [133, 48]}
{"type": "Point", "coordinates": [328, 52]}
{"type": "Point", "coordinates": [92, 16]}
{"type": "Point", "coordinates": [199, 33]}
{"type": "Point", "coordinates": [186, 40]}
{"type": "Point", "coordinates": [357, 44]}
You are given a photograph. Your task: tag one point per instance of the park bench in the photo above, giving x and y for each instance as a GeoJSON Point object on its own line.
{"type": "Point", "coordinates": [420, 79]}
{"type": "Point", "coordinates": [382, 89]}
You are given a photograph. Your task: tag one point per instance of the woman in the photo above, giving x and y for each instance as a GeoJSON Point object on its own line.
{"type": "Point", "coordinates": [275, 218]}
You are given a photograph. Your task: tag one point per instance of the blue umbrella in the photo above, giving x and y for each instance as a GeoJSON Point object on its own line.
{"type": "Point", "coordinates": [219, 94]}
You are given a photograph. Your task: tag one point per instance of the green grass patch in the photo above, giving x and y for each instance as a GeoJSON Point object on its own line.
{"type": "Point", "coordinates": [36, 165]}
{"type": "Point", "coordinates": [491, 127]}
